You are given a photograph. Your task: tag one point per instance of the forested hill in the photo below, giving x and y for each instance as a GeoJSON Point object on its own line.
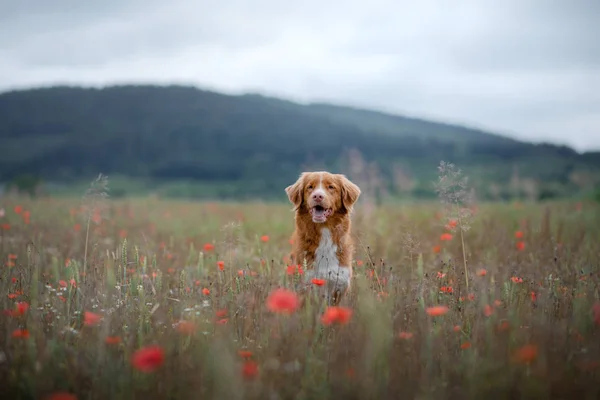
{"type": "Point", "coordinates": [254, 146]}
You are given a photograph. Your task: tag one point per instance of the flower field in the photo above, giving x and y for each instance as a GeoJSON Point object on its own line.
{"type": "Point", "coordinates": [145, 298]}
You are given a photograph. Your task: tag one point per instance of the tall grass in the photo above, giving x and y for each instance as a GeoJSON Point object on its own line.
{"type": "Point", "coordinates": [520, 321]}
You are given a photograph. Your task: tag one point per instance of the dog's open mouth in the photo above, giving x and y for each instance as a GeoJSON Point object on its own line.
{"type": "Point", "coordinates": [320, 214]}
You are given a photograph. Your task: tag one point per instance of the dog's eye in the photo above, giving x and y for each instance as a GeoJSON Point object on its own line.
{"type": "Point", "coordinates": [331, 187]}
{"type": "Point", "coordinates": [310, 186]}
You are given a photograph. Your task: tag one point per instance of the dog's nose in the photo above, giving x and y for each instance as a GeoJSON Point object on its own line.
{"type": "Point", "coordinates": [318, 197]}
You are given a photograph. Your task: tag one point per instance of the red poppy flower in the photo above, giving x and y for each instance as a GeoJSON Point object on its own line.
{"type": "Point", "coordinates": [112, 340]}
{"type": "Point", "coordinates": [336, 315]}
{"type": "Point", "coordinates": [20, 334]}
{"type": "Point", "coordinates": [292, 269]}
{"type": "Point", "coordinates": [61, 396]}
{"type": "Point", "coordinates": [282, 301]}
{"type": "Point", "coordinates": [250, 369]}
{"type": "Point", "coordinates": [445, 236]}
{"type": "Point", "coordinates": [148, 359]}
{"type": "Point", "coordinates": [91, 319]}
{"type": "Point", "coordinates": [437, 311]}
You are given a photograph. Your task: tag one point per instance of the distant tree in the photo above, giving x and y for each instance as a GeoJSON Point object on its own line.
{"type": "Point", "coordinates": [26, 184]}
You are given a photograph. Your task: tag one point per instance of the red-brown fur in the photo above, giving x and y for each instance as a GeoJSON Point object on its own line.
{"type": "Point", "coordinates": [340, 194]}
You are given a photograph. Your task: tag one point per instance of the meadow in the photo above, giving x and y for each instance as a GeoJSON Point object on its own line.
{"type": "Point", "coordinates": [148, 298]}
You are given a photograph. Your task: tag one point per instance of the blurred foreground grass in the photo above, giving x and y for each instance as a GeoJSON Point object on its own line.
{"type": "Point", "coordinates": [152, 299]}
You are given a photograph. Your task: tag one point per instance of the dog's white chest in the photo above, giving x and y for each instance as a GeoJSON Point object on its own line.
{"type": "Point", "coordinates": [325, 255]}
{"type": "Point", "coordinates": [327, 266]}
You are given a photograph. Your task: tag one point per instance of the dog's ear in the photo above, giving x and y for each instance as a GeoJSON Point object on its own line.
{"type": "Point", "coordinates": [295, 192]}
{"type": "Point", "coordinates": [350, 192]}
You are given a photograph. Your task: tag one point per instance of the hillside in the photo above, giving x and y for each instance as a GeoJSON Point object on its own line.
{"type": "Point", "coordinates": [253, 146]}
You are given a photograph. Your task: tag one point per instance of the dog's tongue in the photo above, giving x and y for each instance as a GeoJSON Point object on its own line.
{"type": "Point", "coordinates": [318, 214]}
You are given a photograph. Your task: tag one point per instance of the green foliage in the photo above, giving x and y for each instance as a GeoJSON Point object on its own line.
{"type": "Point", "coordinates": [248, 146]}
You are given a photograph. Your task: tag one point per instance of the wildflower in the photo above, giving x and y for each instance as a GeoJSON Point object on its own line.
{"type": "Point", "coordinates": [185, 327]}
{"type": "Point", "coordinates": [91, 319]}
{"type": "Point", "coordinates": [282, 301]}
{"type": "Point", "coordinates": [18, 209]}
{"type": "Point", "coordinates": [205, 291]}
{"type": "Point", "coordinates": [5, 227]}
{"type": "Point", "coordinates": [440, 275]}
{"type": "Point", "coordinates": [446, 289]}
{"type": "Point", "coordinates": [221, 265]}
{"type": "Point", "coordinates": [223, 321]}
{"type": "Point", "coordinates": [504, 325]}
{"type": "Point", "coordinates": [339, 315]}
{"type": "Point", "coordinates": [97, 218]}
{"type": "Point", "coordinates": [208, 247]}
{"type": "Point", "coordinates": [249, 369]}
{"type": "Point", "coordinates": [446, 236]}
{"type": "Point", "coordinates": [61, 396]}
{"type": "Point", "coordinates": [520, 245]}
{"type": "Point", "coordinates": [518, 234]}
{"type": "Point", "coordinates": [112, 340]}
{"type": "Point", "coordinates": [62, 283]}
{"type": "Point", "coordinates": [292, 269]}
{"type": "Point", "coordinates": [405, 335]}
{"type": "Point", "coordinates": [596, 312]}
{"type": "Point", "coordinates": [465, 345]}
{"type": "Point", "coordinates": [481, 272]}
{"type": "Point", "coordinates": [437, 311]}
{"type": "Point", "coordinates": [264, 238]}
{"type": "Point", "coordinates": [359, 263]}
{"type": "Point", "coordinates": [12, 256]}
{"type": "Point", "coordinates": [148, 359]}
{"type": "Point", "coordinates": [245, 353]}
{"type": "Point", "coordinates": [221, 313]}
{"type": "Point", "coordinates": [436, 249]}
{"type": "Point", "coordinates": [526, 354]}
{"type": "Point", "coordinates": [20, 334]}
{"type": "Point", "coordinates": [318, 282]}
{"type": "Point", "coordinates": [456, 328]}
{"type": "Point", "coordinates": [451, 224]}
{"type": "Point", "coordinates": [488, 310]}
{"type": "Point", "coordinates": [516, 279]}
{"type": "Point", "coordinates": [22, 307]}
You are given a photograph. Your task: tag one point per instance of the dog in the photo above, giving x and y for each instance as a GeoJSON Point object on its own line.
{"type": "Point", "coordinates": [322, 240]}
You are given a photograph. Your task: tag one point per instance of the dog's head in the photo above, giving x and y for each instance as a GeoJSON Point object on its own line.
{"type": "Point", "coordinates": [323, 194]}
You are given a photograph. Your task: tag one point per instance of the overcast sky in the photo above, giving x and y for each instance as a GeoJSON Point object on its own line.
{"type": "Point", "coordinates": [524, 68]}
